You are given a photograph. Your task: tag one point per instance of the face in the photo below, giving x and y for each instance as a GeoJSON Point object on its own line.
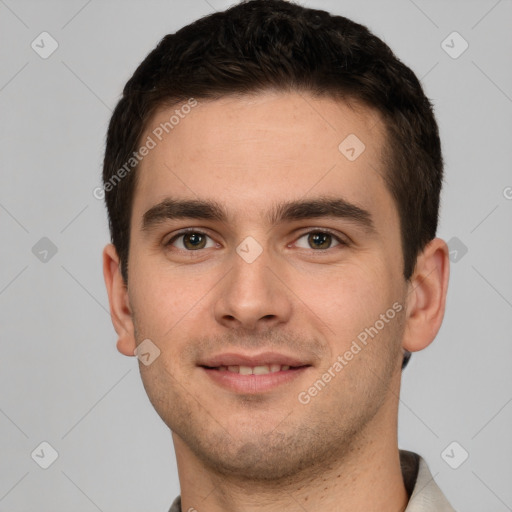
{"type": "Point", "coordinates": [243, 281]}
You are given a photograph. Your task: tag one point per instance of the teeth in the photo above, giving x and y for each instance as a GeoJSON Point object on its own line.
{"type": "Point", "coordinates": [255, 370]}
{"type": "Point", "coordinates": [260, 370]}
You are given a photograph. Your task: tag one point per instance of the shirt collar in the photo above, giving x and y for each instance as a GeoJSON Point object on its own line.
{"type": "Point", "coordinates": [424, 493]}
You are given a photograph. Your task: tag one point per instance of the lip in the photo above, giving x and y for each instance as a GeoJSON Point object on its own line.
{"type": "Point", "coordinates": [264, 358]}
{"type": "Point", "coordinates": [253, 384]}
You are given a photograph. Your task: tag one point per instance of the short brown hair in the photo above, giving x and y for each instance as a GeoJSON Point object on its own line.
{"type": "Point", "coordinates": [259, 45]}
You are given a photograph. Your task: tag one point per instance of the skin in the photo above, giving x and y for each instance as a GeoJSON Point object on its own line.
{"type": "Point", "coordinates": [270, 452]}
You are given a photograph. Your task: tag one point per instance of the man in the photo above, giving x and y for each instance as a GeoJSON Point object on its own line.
{"type": "Point", "coordinates": [272, 178]}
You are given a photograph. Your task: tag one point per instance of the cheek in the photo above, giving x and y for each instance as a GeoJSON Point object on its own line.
{"type": "Point", "coordinates": [158, 309]}
{"type": "Point", "coordinates": [168, 301]}
{"type": "Point", "coordinates": [348, 299]}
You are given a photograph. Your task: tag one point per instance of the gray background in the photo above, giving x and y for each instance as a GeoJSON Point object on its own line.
{"type": "Point", "coordinates": [61, 378]}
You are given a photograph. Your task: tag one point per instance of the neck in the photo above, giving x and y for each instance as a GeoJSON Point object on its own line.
{"type": "Point", "coordinates": [368, 477]}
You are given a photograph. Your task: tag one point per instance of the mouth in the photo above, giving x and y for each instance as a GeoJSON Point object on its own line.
{"type": "Point", "coordinates": [254, 370]}
{"type": "Point", "coordinates": [253, 374]}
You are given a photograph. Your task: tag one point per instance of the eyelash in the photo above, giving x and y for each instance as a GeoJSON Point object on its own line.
{"type": "Point", "coordinates": [183, 232]}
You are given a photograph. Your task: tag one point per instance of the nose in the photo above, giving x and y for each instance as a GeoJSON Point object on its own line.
{"type": "Point", "coordinates": [254, 295]}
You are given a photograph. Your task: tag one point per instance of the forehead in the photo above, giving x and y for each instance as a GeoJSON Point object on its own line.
{"type": "Point", "coordinates": [251, 151]}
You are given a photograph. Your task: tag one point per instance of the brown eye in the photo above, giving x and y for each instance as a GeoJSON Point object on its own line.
{"type": "Point", "coordinates": [194, 241]}
{"type": "Point", "coordinates": [321, 240]}
{"type": "Point", "coordinates": [190, 241]}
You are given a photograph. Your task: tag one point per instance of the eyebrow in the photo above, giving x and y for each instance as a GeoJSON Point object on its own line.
{"type": "Point", "coordinates": [288, 211]}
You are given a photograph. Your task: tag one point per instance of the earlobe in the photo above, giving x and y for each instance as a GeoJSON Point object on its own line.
{"type": "Point", "coordinates": [120, 311]}
{"type": "Point", "coordinates": [427, 296]}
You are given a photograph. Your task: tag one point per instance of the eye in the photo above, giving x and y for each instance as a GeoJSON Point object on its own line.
{"type": "Point", "coordinates": [194, 240]}
{"type": "Point", "coordinates": [190, 240]}
{"type": "Point", "coordinates": [321, 240]}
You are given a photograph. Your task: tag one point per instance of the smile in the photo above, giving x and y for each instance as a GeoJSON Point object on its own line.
{"type": "Point", "coordinates": [254, 370]}
{"type": "Point", "coordinates": [253, 379]}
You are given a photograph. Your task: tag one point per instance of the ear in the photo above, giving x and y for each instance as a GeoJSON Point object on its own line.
{"type": "Point", "coordinates": [426, 298]}
{"type": "Point", "coordinates": [120, 311]}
